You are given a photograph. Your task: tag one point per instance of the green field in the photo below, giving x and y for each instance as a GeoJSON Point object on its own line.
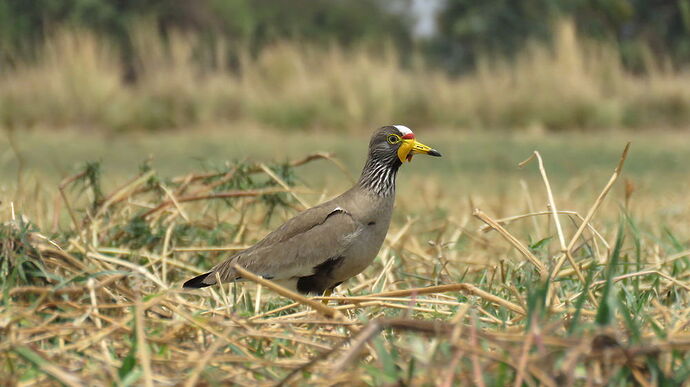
{"type": "Point", "coordinates": [479, 165]}
{"type": "Point", "coordinates": [91, 289]}
{"type": "Point", "coordinates": [480, 161]}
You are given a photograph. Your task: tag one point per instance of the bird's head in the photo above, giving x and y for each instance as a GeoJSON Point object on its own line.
{"type": "Point", "coordinates": [397, 143]}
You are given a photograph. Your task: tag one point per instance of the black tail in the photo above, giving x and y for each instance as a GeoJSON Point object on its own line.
{"type": "Point", "coordinates": [197, 282]}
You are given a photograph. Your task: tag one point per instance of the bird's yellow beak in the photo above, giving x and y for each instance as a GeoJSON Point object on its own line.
{"type": "Point", "coordinates": [410, 147]}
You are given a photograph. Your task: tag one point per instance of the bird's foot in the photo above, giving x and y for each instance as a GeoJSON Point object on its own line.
{"type": "Point", "coordinates": [327, 293]}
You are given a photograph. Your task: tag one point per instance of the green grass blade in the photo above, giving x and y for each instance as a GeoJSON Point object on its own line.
{"type": "Point", "coordinates": [607, 304]}
{"type": "Point", "coordinates": [46, 366]}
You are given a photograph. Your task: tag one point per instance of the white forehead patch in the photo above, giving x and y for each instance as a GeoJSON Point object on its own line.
{"type": "Point", "coordinates": [403, 129]}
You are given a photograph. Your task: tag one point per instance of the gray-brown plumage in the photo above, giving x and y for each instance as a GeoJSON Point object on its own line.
{"type": "Point", "coordinates": [323, 246]}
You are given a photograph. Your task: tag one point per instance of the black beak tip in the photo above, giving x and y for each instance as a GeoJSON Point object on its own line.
{"type": "Point", "coordinates": [434, 153]}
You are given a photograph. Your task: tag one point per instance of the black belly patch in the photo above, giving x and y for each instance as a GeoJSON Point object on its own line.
{"type": "Point", "coordinates": [321, 280]}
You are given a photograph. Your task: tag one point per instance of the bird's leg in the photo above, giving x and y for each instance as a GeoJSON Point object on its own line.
{"type": "Point", "coordinates": [327, 293]}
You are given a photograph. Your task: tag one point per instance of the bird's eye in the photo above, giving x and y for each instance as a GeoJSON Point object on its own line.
{"type": "Point", "coordinates": [393, 139]}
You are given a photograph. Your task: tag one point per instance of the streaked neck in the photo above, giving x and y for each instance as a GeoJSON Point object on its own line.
{"type": "Point", "coordinates": [378, 176]}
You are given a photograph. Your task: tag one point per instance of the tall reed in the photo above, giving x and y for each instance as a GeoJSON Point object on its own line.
{"type": "Point", "coordinates": [78, 80]}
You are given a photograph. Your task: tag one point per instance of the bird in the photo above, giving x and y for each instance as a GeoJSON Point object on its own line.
{"type": "Point", "coordinates": [322, 247]}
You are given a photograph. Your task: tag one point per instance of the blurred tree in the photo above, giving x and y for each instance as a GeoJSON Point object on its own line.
{"type": "Point", "coordinates": [466, 28]}
{"type": "Point", "coordinates": [253, 23]}
{"type": "Point", "coordinates": [471, 28]}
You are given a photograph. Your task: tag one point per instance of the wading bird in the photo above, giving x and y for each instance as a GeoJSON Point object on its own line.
{"type": "Point", "coordinates": [324, 246]}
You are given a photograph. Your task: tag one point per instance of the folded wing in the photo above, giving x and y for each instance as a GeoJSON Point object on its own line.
{"type": "Point", "coordinates": [294, 249]}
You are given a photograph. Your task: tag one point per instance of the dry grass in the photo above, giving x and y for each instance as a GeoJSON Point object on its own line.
{"type": "Point", "coordinates": [77, 82]}
{"type": "Point", "coordinates": [91, 291]}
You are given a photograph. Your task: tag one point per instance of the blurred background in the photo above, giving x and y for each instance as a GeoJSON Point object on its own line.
{"type": "Point", "coordinates": [188, 84]}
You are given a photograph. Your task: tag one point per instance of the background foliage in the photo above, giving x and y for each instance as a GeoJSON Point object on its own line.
{"type": "Point", "coordinates": [640, 28]}
{"type": "Point", "coordinates": [343, 65]}
{"type": "Point", "coordinates": [466, 29]}
{"type": "Point", "coordinates": [242, 22]}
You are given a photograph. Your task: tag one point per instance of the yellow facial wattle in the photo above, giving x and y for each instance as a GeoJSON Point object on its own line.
{"type": "Point", "coordinates": [405, 149]}
{"type": "Point", "coordinates": [410, 147]}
